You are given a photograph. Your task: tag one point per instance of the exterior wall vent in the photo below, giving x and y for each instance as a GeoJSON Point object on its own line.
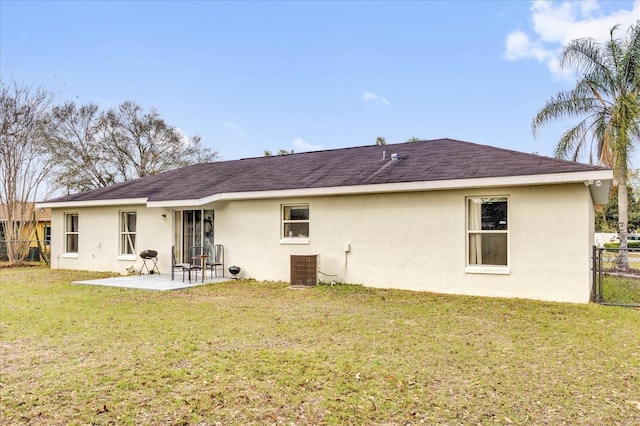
{"type": "Point", "coordinates": [304, 269]}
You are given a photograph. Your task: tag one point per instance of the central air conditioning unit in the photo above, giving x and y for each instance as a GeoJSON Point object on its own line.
{"type": "Point", "coordinates": [304, 269]}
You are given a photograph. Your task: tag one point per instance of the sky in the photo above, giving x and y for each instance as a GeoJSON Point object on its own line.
{"type": "Point", "coordinates": [249, 76]}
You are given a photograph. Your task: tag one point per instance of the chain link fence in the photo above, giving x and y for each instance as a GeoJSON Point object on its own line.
{"type": "Point", "coordinates": [613, 282]}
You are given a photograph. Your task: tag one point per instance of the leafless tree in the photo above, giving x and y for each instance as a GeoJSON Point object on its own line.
{"type": "Point", "coordinates": [75, 145]}
{"type": "Point", "coordinates": [98, 149]}
{"type": "Point", "coordinates": [24, 163]}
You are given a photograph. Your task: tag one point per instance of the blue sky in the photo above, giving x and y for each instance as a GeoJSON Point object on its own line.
{"type": "Point", "coordinates": [253, 75]}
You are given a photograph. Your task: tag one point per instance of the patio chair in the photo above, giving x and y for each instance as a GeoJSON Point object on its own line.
{"type": "Point", "coordinates": [175, 265]}
{"type": "Point", "coordinates": [217, 261]}
{"type": "Point", "coordinates": [196, 263]}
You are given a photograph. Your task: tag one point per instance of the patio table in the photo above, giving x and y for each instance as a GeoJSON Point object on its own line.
{"type": "Point", "coordinates": [203, 258]}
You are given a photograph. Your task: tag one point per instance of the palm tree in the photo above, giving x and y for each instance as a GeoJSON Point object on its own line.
{"type": "Point", "coordinates": [606, 100]}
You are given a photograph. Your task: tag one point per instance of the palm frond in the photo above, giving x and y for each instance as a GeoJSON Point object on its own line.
{"type": "Point", "coordinates": [587, 57]}
{"type": "Point", "coordinates": [563, 105]}
{"type": "Point", "coordinates": [571, 141]}
{"type": "Point", "coordinates": [629, 65]}
{"type": "Point", "coordinates": [605, 99]}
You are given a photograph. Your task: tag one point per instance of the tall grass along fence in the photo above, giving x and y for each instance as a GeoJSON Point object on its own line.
{"type": "Point", "coordinates": [613, 284]}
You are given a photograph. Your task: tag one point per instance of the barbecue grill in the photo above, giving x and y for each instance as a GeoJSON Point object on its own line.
{"type": "Point", "coordinates": [234, 271]}
{"type": "Point", "coordinates": [152, 257]}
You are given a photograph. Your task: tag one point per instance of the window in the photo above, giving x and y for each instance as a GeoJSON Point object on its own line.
{"type": "Point", "coordinates": [295, 221]}
{"type": "Point", "coordinates": [128, 233]}
{"type": "Point", "coordinates": [47, 235]}
{"type": "Point", "coordinates": [487, 234]}
{"type": "Point", "coordinates": [71, 233]}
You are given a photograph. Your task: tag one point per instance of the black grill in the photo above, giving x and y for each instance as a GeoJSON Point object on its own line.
{"type": "Point", "coordinates": [148, 254]}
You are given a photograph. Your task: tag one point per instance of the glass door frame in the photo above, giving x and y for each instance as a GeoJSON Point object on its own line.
{"type": "Point", "coordinates": [192, 227]}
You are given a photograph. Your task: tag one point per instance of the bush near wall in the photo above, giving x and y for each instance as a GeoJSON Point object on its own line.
{"type": "Point", "coordinates": [633, 245]}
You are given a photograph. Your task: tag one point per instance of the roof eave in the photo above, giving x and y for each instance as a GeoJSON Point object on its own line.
{"type": "Point", "coordinates": [600, 190]}
{"type": "Point", "coordinates": [600, 193]}
{"type": "Point", "coordinates": [92, 203]}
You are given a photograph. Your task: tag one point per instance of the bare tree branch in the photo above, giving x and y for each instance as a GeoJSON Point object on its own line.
{"type": "Point", "coordinates": [25, 124]}
{"type": "Point", "coordinates": [96, 149]}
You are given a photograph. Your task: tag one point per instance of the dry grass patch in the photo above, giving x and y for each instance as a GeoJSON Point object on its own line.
{"type": "Point", "coordinates": [257, 353]}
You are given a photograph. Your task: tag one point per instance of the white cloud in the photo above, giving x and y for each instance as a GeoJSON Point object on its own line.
{"type": "Point", "coordinates": [300, 145]}
{"type": "Point", "coordinates": [372, 97]}
{"type": "Point", "coordinates": [520, 46]}
{"type": "Point", "coordinates": [186, 140]}
{"type": "Point", "coordinates": [556, 23]}
{"type": "Point", "coordinates": [235, 128]}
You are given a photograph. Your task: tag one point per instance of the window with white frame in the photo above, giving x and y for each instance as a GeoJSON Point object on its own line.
{"type": "Point", "coordinates": [128, 233]}
{"type": "Point", "coordinates": [487, 232]}
{"type": "Point", "coordinates": [295, 221]}
{"type": "Point", "coordinates": [46, 230]}
{"type": "Point", "coordinates": [71, 233]}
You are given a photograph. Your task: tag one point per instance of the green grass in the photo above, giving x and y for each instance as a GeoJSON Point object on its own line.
{"type": "Point", "coordinates": [258, 353]}
{"type": "Point", "coordinates": [621, 290]}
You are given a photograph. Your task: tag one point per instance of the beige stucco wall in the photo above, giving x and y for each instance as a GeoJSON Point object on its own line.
{"type": "Point", "coordinates": [417, 241]}
{"type": "Point", "coordinates": [414, 241]}
{"type": "Point", "coordinates": [98, 238]}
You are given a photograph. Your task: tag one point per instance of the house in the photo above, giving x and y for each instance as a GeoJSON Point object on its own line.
{"type": "Point", "coordinates": [441, 215]}
{"type": "Point", "coordinates": [32, 239]}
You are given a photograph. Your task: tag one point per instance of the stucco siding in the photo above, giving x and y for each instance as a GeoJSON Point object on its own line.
{"type": "Point", "coordinates": [550, 241]}
{"type": "Point", "coordinates": [411, 240]}
{"type": "Point", "coordinates": [417, 241]}
{"type": "Point", "coordinates": [99, 238]}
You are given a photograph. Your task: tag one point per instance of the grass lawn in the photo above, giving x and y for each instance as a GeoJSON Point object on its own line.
{"type": "Point", "coordinates": [622, 290]}
{"type": "Point", "coordinates": [258, 353]}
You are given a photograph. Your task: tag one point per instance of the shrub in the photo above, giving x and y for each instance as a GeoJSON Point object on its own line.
{"type": "Point", "coordinates": [633, 246]}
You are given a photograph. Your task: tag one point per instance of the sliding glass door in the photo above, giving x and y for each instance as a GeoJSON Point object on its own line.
{"type": "Point", "coordinates": [192, 228]}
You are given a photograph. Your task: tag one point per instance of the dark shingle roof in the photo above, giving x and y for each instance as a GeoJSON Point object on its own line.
{"type": "Point", "coordinates": [433, 160]}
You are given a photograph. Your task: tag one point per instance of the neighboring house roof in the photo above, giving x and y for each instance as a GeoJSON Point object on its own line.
{"type": "Point", "coordinates": [433, 164]}
{"type": "Point", "coordinates": [43, 214]}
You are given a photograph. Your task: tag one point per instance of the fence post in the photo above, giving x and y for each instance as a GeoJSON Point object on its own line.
{"type": "Point", "coordinates": [600, 298]}
{"type": "Point", "coordinates": [594, 278]}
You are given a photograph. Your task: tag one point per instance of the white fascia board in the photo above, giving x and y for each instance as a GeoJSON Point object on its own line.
{"type": "Point", "coordinates": [183, 203]}
{"type": "Point", "coordinates": [91, 203]}
{"type": "Point", "coordinates": [604, 176]}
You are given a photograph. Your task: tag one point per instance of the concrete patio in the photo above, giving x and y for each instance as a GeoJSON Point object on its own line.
{"type": "Point", "coordinates": [159, 282]}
